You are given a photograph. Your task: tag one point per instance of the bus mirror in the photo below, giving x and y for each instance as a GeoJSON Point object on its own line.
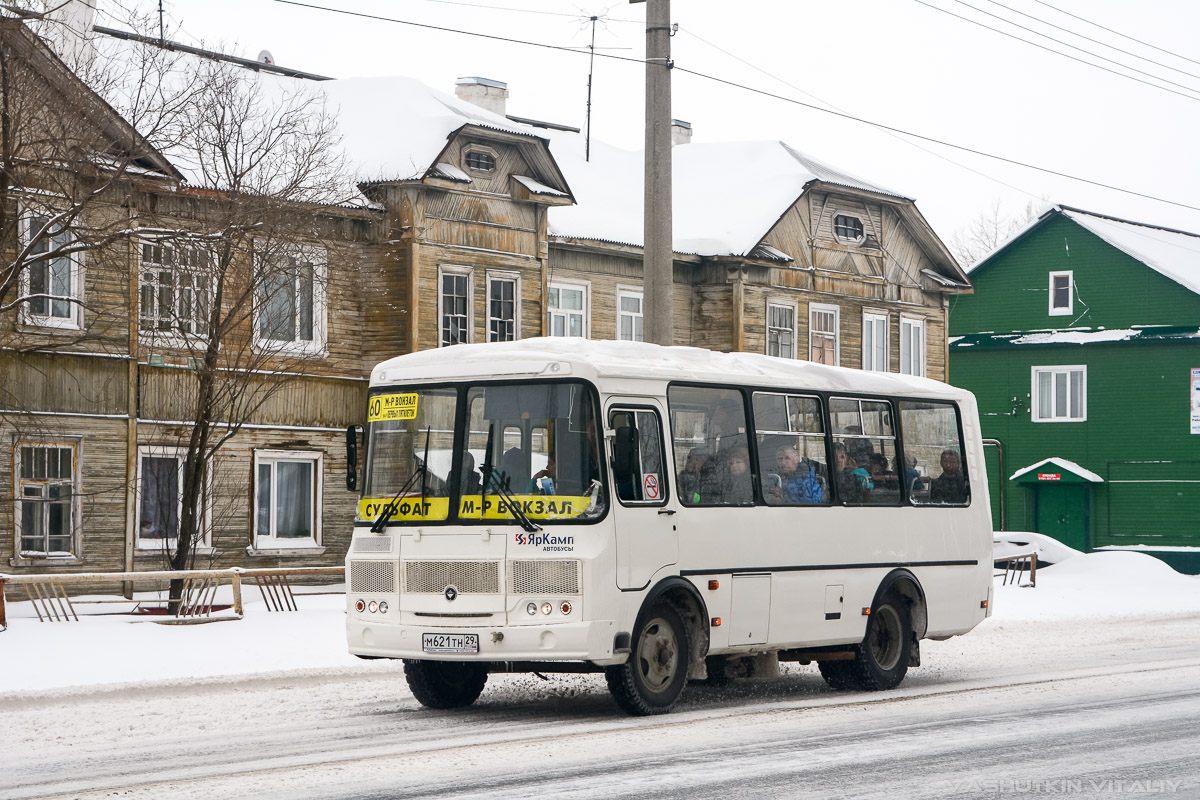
{"type": "Point", "coordinates": [352, 457]}
{"type": "Point", "coordinates": [625, 452]}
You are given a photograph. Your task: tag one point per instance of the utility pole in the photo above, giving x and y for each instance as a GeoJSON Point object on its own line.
{"type": "Point", "coordinates": [658, 267]}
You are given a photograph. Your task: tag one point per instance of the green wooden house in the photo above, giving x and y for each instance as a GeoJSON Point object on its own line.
{"type": "Point", "coordinates": [1082, 345]}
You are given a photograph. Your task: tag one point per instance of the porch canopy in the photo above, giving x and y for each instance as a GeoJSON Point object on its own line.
{"type": "Point", "coordinates": [1055, 470]}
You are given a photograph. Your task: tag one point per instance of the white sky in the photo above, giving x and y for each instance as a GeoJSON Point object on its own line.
{"type": "Point", "coordinates": [897, 62]}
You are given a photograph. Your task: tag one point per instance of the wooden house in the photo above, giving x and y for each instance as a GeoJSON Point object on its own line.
{"type": "Point", "coordinates": [470, 226]}
{"type": "Point", "coordinates": [1081, 343]}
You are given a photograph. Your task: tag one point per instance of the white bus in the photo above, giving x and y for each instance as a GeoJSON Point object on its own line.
{"type": "Point", "coordinates": [660, 514]}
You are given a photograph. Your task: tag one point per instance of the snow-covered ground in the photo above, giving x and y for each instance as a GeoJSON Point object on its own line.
{"type": "Point", "coordinates": [114, 649]}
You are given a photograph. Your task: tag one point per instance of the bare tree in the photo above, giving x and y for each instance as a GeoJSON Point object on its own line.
{"type": "Point", "coordinates": [245, 301]}
{"type": "Point", "coordinates": [989, 230]}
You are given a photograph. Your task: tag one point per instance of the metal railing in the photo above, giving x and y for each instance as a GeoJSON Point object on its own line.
{"type": "Point", "coordinates": [52, 602]}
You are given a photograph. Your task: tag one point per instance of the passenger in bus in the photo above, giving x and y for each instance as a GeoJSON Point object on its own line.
{"type": "Point", "coordinates": [799, 480]}
{"type": "Point", "coordinates": [468, 482]}
{"type": "Point", "coordinates": [852, 481]}
{"type": "Point", "coordinates": [691, 476]}
{"type": "Point", "coordinates": [912, 476]}
{"type": "Point", "coordinates": [951, 486]}
{"type": "Point", "coordinates": [738, 489]}
{"type": "Point", "coordinates": [542, 481]}
{"type": "Point", "coordinates": [512, 467]}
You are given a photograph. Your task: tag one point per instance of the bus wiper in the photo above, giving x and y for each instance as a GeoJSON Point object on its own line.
{"type": "Point", "coordinates": [425, 472]}
{"type": "Point", "coordinates": [390, 508]}
{"type": "Point", "coordinates": [513, 505]}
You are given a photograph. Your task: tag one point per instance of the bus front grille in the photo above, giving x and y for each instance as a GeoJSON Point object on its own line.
{"type": "Point", "coordinates": [467, 577]}
{"type": "Point", "coordinates": [543, 577]}
{"type": "Point", "coordinates": [372, 576]}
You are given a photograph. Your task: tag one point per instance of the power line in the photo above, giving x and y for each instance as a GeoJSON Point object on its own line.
{"type": "Point", "coordinates": [764, 93]}
{"type": "Point", "coordinates": [1050, 49]}
{"type": "Point", "coordinates": [1118, 33]}
{"type": "Point", "coordinates": [1095, 41]}
{"type": "Point", "coordinates": [899, 138]}
{"type": "Point", "coordinates": [1073, 47]}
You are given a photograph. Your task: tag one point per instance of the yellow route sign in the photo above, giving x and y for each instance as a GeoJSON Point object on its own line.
{"type": "Point", "coordinates": [389, 407]}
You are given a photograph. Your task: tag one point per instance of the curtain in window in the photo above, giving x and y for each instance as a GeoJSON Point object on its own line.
{"type": "Point", "coordinates": [293, 500]}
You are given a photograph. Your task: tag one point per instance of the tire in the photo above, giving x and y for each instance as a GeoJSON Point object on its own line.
{"type": "Point", "coordinates": [445, 684]}
{"type": "Point", "coordinates": [837, 674]}
{"type": "Point", "coordinates": [881, 661]}
{"type": "Point", "coordinates": [653, 677]}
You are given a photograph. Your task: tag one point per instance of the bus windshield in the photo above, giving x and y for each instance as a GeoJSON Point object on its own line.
{"type": "Point", "coordinates": [529, 452]}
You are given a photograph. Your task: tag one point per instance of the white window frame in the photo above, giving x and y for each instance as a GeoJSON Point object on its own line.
{"type": "Point", "coordinates": [169, 543]}
{"type": "Point", "coordinates": [872, 321]}
{"type": "Point", "coordinates": [634, 317]}
{"type": "Point", "coordinates": [834, 227]}
{"type": "Point", "coordinates": [1035, 393]}
{"type": "Point", "coordinates": [173, 336]}
{"type": "Point", "coordinates": [551, 313]}
{"type": "Point", "coordinates": [319, 259]}
{"type": "Point", "coordinates": [819, 308]}
{"type": "Point", "coordinates": [462, 272]}
{"type": "Point", "coordinates": [74, 320]}
{"type": "Point", "coordinates": [26, 558]}
{"type": "Point", "coordinates": [1069, 309]}
{"type": "Point", "coordinates": [788, 306]}
{"type": "Point", "coordinates": [494, 277]}
{"type": "Point", "coordinates": [915, 363]}
{"type": "Point", "coordinates": [268, 542]}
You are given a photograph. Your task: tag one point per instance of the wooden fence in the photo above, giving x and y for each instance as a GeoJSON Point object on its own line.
{"type": "Point", "coordinates": [52, 603]}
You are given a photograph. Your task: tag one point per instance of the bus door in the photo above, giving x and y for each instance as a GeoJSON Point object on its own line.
{"type": "Point", "coordinates": [644, 511]}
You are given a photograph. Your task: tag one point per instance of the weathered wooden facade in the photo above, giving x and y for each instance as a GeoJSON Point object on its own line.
{"type": "Point", "coordinates": [458, 242]}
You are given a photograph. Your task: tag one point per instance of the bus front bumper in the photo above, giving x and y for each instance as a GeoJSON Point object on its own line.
{"type": "Point", "coordinates": [567, 641]}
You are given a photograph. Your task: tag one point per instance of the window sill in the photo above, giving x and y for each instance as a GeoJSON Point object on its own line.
{"type": "Point", "coordinates": [45, 561]}
{"type": "Point", "coordinates": [303, 550]}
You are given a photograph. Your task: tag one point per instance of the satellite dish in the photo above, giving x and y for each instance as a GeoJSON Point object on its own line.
{"type": "Point", "coordinates": [265, 57]}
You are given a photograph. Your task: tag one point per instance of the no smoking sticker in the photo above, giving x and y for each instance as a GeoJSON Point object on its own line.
{"type": "Point", "coordinates": [650, 487]}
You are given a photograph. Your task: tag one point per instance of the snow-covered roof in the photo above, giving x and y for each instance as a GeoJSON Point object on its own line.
{"type": "Point", "coordinates": [726, 196]}
{"type": "Point", "coordinates": [1063, 463]}
{"type": "Point", "coordinates": [560, 357]}
{"type": "Point", "coordinates": [1076, 336]}
{"type": "Point", "coordinates": [1174, 253]}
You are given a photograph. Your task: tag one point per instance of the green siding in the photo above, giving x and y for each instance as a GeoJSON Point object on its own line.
{"type": "Point", "coordinates": [1136, 434]}
{"type": "Point", "coordinates": [1113, 290]}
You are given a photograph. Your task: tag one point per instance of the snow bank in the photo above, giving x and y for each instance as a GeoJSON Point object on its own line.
{"type": "Point", "coordinates": [116, 649]}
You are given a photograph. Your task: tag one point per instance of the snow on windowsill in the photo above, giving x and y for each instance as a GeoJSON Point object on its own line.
{"type": "Point", "coordinates": [309, 549]}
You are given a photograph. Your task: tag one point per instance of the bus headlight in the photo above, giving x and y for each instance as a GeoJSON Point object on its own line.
{"type": "Point", "coordinates": [531, 609]}
{"type": "Point", "coordinates": [372, 606]}
{"type": "Point", "coordinates": [547, 608]}
{"type": "Point", "coordinates": [359, 605]}
{"type": "Point", "coordinates": [383, 606]}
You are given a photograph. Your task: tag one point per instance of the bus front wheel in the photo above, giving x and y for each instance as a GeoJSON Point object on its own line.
{"type": "Point", "coordinates": [445, 684]}
{"type": "Point", "coordinates": [653, 677]}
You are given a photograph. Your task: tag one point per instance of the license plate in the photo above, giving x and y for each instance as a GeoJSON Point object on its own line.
{"type": "Point", "coordinates": [450, 642]}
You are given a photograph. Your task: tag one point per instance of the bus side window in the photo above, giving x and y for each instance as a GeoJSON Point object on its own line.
{"type": "Point", "coordinates": [638, 469]}
{"type": "Point", "coordinates": [709, 436]}
{"type": "Point", "coordinates": [935, 470]}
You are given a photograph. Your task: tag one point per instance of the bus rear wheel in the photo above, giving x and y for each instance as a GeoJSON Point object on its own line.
{"type": "Point", "coordinates": [881, 661]}
{"type": "Point", "coordinates": [445, 684]}
{"type": "Point", "coordinates": [653, 677]}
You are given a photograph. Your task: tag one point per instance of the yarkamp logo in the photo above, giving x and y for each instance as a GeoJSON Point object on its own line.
{"type": "Point", "coordinates": [1090, 786]}
{"type": "Point", "coordinates": [548, 542]}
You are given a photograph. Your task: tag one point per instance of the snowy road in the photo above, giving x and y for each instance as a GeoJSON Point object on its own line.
{"type": "Point", "coordinates": [1087, 707]}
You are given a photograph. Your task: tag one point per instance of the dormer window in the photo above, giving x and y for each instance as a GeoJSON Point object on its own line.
{"type": "Point", "coordinates": [480, 160]}
{"type": "Point", "coordinates": [847, 228]}
{"type": "Point", "coordinates": [1062, 294]}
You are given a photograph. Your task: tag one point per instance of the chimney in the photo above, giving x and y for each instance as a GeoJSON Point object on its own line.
{"type": "Point", "coordinates": [486, 93]}
{"type": "Point", "coordinates": [681, 132]}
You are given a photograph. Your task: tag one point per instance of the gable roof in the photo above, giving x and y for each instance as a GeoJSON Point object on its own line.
{"type": "Point", "coordinates": [726, 196]}
{"type": "Point", "coordinates": [141, 155]}
{"type": "Point", "coordinates": [1170, 252]}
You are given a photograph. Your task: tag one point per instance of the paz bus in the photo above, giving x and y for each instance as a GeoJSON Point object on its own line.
{"type": "Point", "coordinates": [660, 514]}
